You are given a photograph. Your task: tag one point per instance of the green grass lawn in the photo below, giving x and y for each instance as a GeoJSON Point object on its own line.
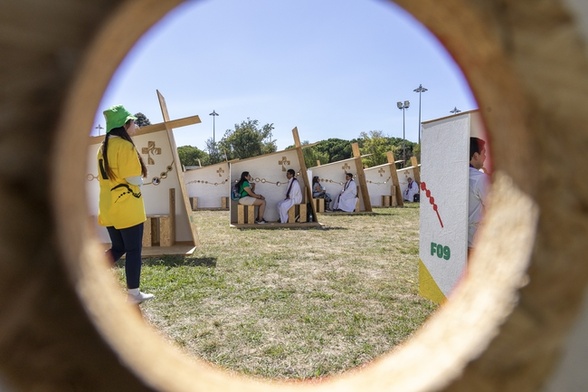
{"type": "Point", "coordinates": [291, 303]}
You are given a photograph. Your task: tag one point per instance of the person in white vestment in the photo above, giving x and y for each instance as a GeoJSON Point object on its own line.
{"type": "Point", "coordinates": [347, 199]}
{"type": "Point", "coordinates": [293, 196]}
{"type": "Point", "coordinates": [411, 189]}
{"type": "Point", "coordinates": [478, 190]}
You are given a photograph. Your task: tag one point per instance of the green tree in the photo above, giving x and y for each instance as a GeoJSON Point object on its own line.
{"type": "Point", "coordinates": [334, 149]}
{"type": "Point", "coordinates": [142, 120]}
{"type": "Point", "coordinates": [410, 149]}
{"type": "Point", "coordinates": [375, 145]}
{"type": "Point", "coordinates": [417, 152]}
{"type": "Point", "coordinates": [215, 155]}
{"type": "Point", "coordinates": [312, 155]}
{"type": "Point", "coordinates": [247, 140]}
{"type": "Point", "coordinates": [193, 156]}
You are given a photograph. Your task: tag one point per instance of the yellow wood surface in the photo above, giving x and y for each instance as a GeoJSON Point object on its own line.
{"type": "Point", "coordinates": [395, 183]}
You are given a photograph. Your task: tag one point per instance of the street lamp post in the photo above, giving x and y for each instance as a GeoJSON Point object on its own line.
{"type": "Point", "coordinates": [455, 110]}
{"type": "Point", "coordinates": [420, 89]}
{"type": "Point", "coordinates": [403, 106]}
{"type": "Point", "coordinates": [99, 128]}
{"type": "Point", "coordinates": [213, 114]}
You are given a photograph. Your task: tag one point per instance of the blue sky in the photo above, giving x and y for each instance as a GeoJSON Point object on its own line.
{"type": "Point", "coordinates": [332, 68]}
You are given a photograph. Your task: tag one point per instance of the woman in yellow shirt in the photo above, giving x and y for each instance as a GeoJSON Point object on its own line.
{"type": "Point", "coordinates": [121, 206]}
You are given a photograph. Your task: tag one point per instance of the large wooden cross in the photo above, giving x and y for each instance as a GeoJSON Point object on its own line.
{"type": "Point", "coordinates": [168, 126]}
{"type": "Point", "coordinates": [361, 178]}
{"type": "Point", "coordinates": [395, 182]}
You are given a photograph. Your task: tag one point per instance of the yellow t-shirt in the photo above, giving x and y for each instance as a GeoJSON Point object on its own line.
{"type": "Point", "coordinates": [121, 204]}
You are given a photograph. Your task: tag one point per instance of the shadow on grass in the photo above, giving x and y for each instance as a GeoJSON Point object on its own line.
{"type": "Point", "coordinates": [180, 261]}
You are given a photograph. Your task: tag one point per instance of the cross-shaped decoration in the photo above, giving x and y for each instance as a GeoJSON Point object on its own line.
{"type": "Point", "coordinates": [346, 167]}
{"type": "Point", "coordinates": [381, 171]}
{"type": "Point", "coordinates": [284, 161]}
{"type": "Point", "coordinates": [220, 171]}
{"type": "Point", "coordinates": [151, 149]}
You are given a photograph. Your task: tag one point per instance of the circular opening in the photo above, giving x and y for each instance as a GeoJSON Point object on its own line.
{"type": "Point", "coordinates": [466, 311]}
{"type": "Point", "coordinates": [363, 331]}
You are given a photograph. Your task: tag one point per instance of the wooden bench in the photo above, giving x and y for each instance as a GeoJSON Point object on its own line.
{"type": "Point", "coordinates": [225, 202]}
{"type": "Point", "coordinates": [158, 230]}
{"type": "Point", "coordinates": [319, 204]}
{"type": "Point", "coordinates": [297, 210]}
{"type": "Point", "coordinates": [245, 214]}
{"type": "Point", "coordinates": [389, 201]}
{"type": "Point", "coordinates": [194, 203]}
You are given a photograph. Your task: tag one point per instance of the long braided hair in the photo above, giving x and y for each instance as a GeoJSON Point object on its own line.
{"type": "Point", "coordinates": [122, 133]}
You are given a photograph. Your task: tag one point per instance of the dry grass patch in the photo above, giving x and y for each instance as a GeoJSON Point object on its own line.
{"type": "Point", "coordinates": [292, 303]}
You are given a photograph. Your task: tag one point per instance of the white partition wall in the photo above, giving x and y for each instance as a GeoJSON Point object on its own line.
{"type": "Point", "coordinates": [444, 202]}
{"type": "Point", "coordinates": [379, 182]}
{"type": "Point", "coordinates": [209, 185]}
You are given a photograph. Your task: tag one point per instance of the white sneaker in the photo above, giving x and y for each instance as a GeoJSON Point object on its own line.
{"type": "Point", "coordinates": [139, 298]}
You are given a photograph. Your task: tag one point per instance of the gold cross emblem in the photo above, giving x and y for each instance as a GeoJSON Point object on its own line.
{"type": "Point", "coordinates": [149, 150]}
{"type": "Point", "coordinates": [284, 161]}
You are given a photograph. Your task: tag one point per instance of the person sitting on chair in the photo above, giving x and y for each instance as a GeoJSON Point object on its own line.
{"type": "Point", "coordinates": [293, 196]}
{"type": "Point", "coordinates": [319, 191]}
{"type": "Point", "coordinates": [249, 197]}
{"type": "Point", "coordinates": [412, 190]}
{"type": "Point", "coordinates": [348, 197]}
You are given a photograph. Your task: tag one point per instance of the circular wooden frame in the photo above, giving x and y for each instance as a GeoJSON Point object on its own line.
{"type": "Point", "coordinates": [63, 328]}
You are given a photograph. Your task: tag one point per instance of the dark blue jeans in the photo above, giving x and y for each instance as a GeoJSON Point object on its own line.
{"type": "Point", "coordinates": [129, 241]}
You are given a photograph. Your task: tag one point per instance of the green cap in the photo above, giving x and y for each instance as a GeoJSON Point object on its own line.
{"type": "Point", "coordinates": [117, 116]}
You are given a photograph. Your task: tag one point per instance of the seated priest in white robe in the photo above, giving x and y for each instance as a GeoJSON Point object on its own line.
{"type": "Point", "coordinates": [411, 189]}
{"type": "Point", "coordinates": [347, 199]}
{"type": "Point", "coordinates": [293, 196]}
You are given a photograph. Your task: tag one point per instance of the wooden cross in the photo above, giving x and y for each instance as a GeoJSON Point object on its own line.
{"type": "Point", "coordinates": [395, 182]}
{"type": "Point", "coordinates": [361, 177]}
{"type": "Point", "coordinates": [168, 125]}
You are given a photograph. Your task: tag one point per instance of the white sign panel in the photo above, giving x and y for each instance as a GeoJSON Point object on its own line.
{"type": "Point", "coordinates": [443, 209]}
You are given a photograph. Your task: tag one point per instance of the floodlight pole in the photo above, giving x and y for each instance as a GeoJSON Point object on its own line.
{"type": "Point", "coordinates": [213, 114]}
{"type": "Point", "coordinates": [420, 89]}
{"type": "Point", "coordinates": [403, 106]}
